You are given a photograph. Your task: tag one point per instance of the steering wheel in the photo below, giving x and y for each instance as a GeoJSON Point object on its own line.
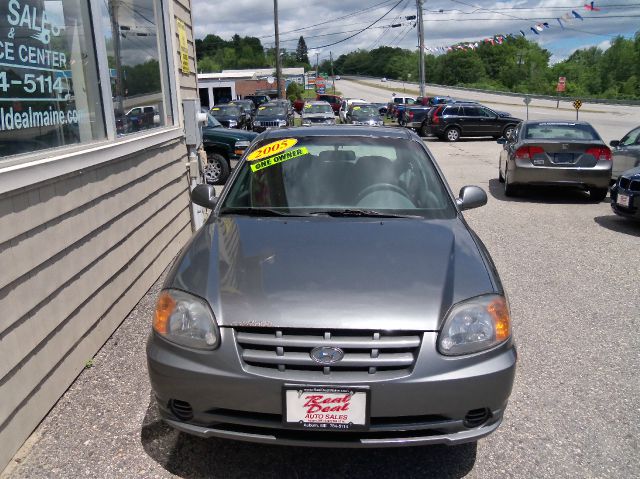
{"type": "Point", "coordinates": [380, 187]}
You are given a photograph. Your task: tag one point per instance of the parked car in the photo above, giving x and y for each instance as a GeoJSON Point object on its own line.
{"type": "Point", "coordinates": [364, 114]}
{"type": "Point", "coordinates": [625, 194]}
{"type": "Point", "coordinates": [283, 103]}
{"type": "Point", "coordinates": [338, 77]}
{"type": "Point", "coordinates": [556, 153]}
{"type": "Point", "coordinates": [258, 99]}
{"type": "Point", "coordinates": [224, 147]}
{"type": "Point", "coordinates": [143, 117]}
{"type": "Point", "coordinates": [335, 297]}
{"type": "Point", "coordinates": [231, 116]}
{"type": "Point", "coordinates": [318, 113]}
{"type": "Point", "coordinates": [333, 100]}
{"type": "Point", "coordinates": [398, 102]}
{"type": "Point", "coordinates": [271, 115]}
{"type": "Point", "coordinates": [345, 105]}
{"type": "Point", "coordinates": [456, 120]}
{"type": "Point", "coordinates": [626, 152]}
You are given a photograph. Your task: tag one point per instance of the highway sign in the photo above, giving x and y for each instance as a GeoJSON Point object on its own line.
{"type": "Point", "coordinates": [527, 100]}
{"type": "Point", "coordinates": [577, 104]}
{"type": "Point", "coordinates": [562, 84]}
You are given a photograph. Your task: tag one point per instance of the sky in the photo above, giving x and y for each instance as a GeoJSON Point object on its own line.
{"type": "Point", "coordinates": [446, 22]}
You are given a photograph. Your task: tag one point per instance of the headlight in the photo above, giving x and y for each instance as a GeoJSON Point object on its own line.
{"type": "Point", "coordinates": [257, 123]}
{"type": "Point", "coordinates": [186, 320]}
{"type": "Point", "coordinates": [282, 122]}
{"type": "Point", "coordinates": [306, 122]}
{"type": "Point", "coordinates": [475, 325]}
{"type": "Point", "coordinates": [240, 146]}
{"type": "Point", "coordinates": [330, 121]}
{"type": "Point", "coordinates": [233, 123]}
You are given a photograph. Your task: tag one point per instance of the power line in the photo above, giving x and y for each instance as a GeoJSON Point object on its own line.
{"type": "Point", "coordinates": [365, 28]}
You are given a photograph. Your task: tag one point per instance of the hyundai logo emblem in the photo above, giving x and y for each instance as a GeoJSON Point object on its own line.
{"type": "Point", "coordinates": [326, 354]}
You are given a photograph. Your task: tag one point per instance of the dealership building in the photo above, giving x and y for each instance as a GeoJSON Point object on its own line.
{"type": "Point", "coordinates": [94, 185]}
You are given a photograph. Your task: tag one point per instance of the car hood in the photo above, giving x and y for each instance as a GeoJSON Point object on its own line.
{"type": "Point", "coordinates": [227, 117]}
{"type": "Point", "coordinates": [327, 116]}
{"type": "Point", "coordinates": [221, 132]}
{"type": "Point", "coordinates": [339, 273]}
{"type": "Point", "coordinates": [632, 172]}
{"type": "Point", "coordinates": [503, 114]}
{"type": "Point", "coordinates": [366, 117]}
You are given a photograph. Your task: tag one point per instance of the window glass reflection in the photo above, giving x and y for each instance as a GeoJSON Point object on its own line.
{"type": "Point", "coordinates": [49, 94]}
{"type": "Point", "coordinates": [137, 64]}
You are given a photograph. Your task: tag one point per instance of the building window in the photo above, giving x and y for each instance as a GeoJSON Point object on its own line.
{"type": "Point", "coordinates": [137, 59]}
{"type": "Point", "coordinates": [49, 89]}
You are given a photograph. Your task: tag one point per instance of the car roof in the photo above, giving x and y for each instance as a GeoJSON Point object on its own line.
{"type": "Point", "coordinates": [339, 130]}
{"type": "Point", "coordinates": [555, 122]}
{"type": "Point", "coordinates": [317, 102]}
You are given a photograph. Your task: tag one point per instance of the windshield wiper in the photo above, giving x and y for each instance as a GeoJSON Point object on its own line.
{"type": "Point", "coordinates": [248, 211]}
{"type": "Point", "coordinates": [361, 213]}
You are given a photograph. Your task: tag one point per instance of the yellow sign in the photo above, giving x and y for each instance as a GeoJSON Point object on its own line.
{"type": "Point", "coordinates": [577, 104]}
{"type": "Point", "coordinates": [272, 149]}
{"type": "Point", "coordinates": [215, 109]}
{"type": "Point", "coordinates": [274, 160]}
{"type": "Point", "coordinates": [184, 47]}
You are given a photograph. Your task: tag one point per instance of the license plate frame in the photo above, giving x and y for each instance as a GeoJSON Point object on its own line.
{"type": "Point", "coordinates": [623, 200]}
{"type": "Point", "coordinates": [292, 410]}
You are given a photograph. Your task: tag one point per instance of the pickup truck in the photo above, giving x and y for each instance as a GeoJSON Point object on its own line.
{"type": "Point", "coordinates": [415, 116]}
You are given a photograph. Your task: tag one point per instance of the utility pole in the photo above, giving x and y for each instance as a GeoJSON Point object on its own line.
{"type": "Point", "coordinates": [421, 45]}
{"type": "Point", "coordinates": [115, 27]}
{"type": "Point", "coordinates": [317, 67]}
{"type": "Point", "coordinates": [333, 77]}
{"type": "Point", "coordinates": [278, 60]}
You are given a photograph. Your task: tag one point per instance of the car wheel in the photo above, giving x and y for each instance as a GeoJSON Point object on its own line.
{"type": "Point", "coordinates": [216, 171]}
{"type": "Point", "coordinates": [508, 131]}
{"type": "Point", "coordinates": [598, 194]}
{"type": "Point", "coordinates": [509, 189]}
{"type": "Point", "coordinates": [452, 134]}
{"type": "Point", "coordinates": [424, 130]}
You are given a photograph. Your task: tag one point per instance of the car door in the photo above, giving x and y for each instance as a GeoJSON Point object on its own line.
{"type": "Point", "coordinates": [489, 124]}
{"type": "Point", "coordinates": [470, 120]}
{"type": "Point", "coordinates": [627, 154]}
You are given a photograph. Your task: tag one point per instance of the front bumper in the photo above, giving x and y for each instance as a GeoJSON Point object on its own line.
{"type": "Point", "coordinates": [526, 172]}
{"type": "Point", "coordinates": [633, 210]}
{"type": "Point", "coordinates": [427, 405]}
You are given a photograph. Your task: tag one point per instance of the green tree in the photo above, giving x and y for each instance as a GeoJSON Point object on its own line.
{"type": "Point", "coordinates": [302, 51]}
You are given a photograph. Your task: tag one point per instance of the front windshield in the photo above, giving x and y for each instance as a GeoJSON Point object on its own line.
{"type": "Point", "coordinates": [317, 109]}
{"type": "Point", "coordinates": [271, 110]}
{"type": "Point", "coordinates": [243, 106]}
{"type": "Point", "coordinates": [365, 110]}
{"type": "Point", "coordinates": [318, 174]}
{"type": "Point", "coordinates": [225, 110]}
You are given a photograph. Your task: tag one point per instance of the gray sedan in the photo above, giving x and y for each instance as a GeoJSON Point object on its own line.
{"type": "Point", "coordinates": [626, 152]}
{"type": "Point", "coordinates": [555, 153]}
{"type": "Point", "coordinates": [335, 297]}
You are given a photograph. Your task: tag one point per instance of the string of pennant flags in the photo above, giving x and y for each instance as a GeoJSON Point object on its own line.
{"type": "Point", "coordinates": [536, 29]}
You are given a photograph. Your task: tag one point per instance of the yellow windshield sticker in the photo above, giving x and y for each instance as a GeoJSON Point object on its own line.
{"type": "Point", "coordinates": [274, 160]}
{"type": "Point", "coordinates": [307, 106]}
{"type": "Point", "coordinates": [272, 149]}
{"type": "Point", "coordinates": [262, 108]}
{"type": "Point", "coordinates": [356, 107]}
{"type": "Point", "coordinates": [215, 109]}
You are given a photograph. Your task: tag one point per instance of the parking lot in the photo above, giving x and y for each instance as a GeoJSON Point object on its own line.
{"type": "Point", "coordinates": [569, 266]}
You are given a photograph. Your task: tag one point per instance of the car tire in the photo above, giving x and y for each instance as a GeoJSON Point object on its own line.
{"type": "Point", "coordinates": [424, 130]}
{"type": "Point", "coordinates": [598, 194]}
{"type": "Point", "coordinates": [509, 189]}
{"type": "Point", "coordinates": [506, 133]}
{"type": "Point", "coordinates": [452, 134]}
{"type": "Point", "coordinates": [216, 171]}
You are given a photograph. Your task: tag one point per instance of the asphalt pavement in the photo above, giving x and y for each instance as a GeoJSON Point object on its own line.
{"type": "Point", "coordinates": [570, 268]}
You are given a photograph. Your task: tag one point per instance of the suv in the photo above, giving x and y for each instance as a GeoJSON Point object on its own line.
{"type": "Point", "coordinates": [224, 147]}
{"type": "Point", "coordinates": [455, 120]}
{"type": "Point", "coordinates": [333, 100]}
{"type": "Point", "coordinates": [257, 99]}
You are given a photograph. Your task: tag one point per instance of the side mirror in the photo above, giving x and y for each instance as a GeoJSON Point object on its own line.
{"type": "Point", "coordinates": [205, 196]}
{"type": "Point", "coordinates": [615, 143]}
{"type": "Point", "coordinates": [471, 197]}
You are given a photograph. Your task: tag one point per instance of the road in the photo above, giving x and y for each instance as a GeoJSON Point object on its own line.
{"type": "Point", "coordinates": [611, 121]}
{"type": "Point", "coordinates": [570, 268]}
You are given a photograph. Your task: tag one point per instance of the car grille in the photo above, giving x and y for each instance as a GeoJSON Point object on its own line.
{"type": "Point", "coordinates": [367, 352]}
{"type": "Point", "coordinates": [269, 123]}
{"type": "Point", "coordinates": [318, 120]}
{"type": "Point", "coordinates": [630, 185]}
